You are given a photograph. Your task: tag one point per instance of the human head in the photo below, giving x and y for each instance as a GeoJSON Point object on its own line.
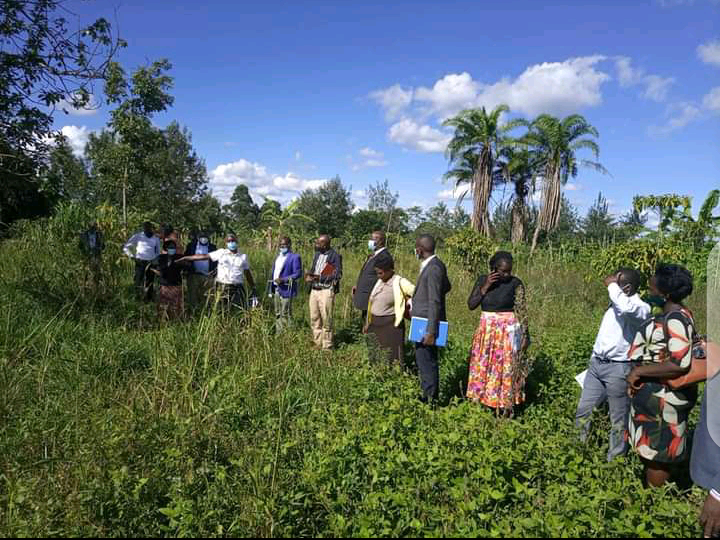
{"type": "Point", "coordinates": [170, 247]}
{"type": "Point", "coordinates": [148, 228]}
{"type": "Point", "coordinates": [203, 237]}
{"type": "Point", "coordinates": [323, 243]}
{"type": "Point", "coordinates": [167, 230]}
{"type": "Point", "coordinates": [385, 268]}
{"type": "Point", "coordinates": [231, 240]}
{"type": "Point", "coordinates": [425, 246]}
{"type": "Point", "coordinates": [93, 226]}
{"type": "Point", "coordinates": [502, 263]}
{"type": "Point", "coordinates": [285, 242]}
{"type": "Point", "coordinates": [629, 280]}
{"type": "Point", "coordinates": [673, 282]}
{"type": "Point", "coordinates": [379, 239]}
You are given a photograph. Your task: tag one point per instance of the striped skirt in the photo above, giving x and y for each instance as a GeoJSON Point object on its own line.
{"type": "Point", "coordinates": [495, 378]}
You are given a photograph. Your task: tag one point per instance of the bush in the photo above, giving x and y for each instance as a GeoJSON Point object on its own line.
{"type": "Point", "coordinates": [470, 249]}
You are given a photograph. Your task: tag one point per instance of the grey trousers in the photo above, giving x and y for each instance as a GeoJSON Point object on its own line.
{"type": "Point", "coordinates": [606, 382]}
{"type": "Point", "coordinates": [283, 313]}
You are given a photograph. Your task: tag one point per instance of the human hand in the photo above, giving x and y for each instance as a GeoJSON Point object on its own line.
{"type": "Point", "coordinates": [491, 280]}
{"type": "Point", "coordinates": [634, 383]}
{"type": "Point", "coordinates": [365, 329]}
{"type": "Point", "coordinates": [278, 281]}
{"type": "Point", "coordinates": [354, 290]}
{"type": "Point", "coordinates": [428, 340]}
{"type": "Point", "coordinates": [611, 279]}
{"type": "Point", "coordinates": [710, 517]}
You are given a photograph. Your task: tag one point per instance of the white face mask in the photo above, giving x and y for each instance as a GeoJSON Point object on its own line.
{"type": "Point", "coordinates": [371, 245]}
{"type": "Point", "coordinates": [204, 241]}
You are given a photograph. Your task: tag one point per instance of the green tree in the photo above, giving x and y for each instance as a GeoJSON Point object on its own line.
{"type": "Point", "coordinates": [518, 168]}
{"type": "Point", "coordinates": [555, 144]}
{"type": "Point", "coordinates": [472, 152]}
{"type": "Point", "coordinates": [43, 63]}
{"type": "Point", "coordinates": [706, 227]}
{"type": "Point", "coordinates": [330, 207]}
{"type": "Point", "coordinates": [242, 210]}
{"type": "Point", "coordinates": [599, 224]}
{"type": "Point", "coordinates": [414, 217]}
{"type": "Point", "coordinates": [65, 176]}
{"type": "Point", "coordinates": [364, 222]}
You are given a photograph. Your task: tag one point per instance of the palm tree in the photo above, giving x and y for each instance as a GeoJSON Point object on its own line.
{"type": "Point", "coordinates": [555, 143]}
{"type": "Point", "coordinates": [472, 153]}
{"type": "Point", "coordinates": [516, 166]}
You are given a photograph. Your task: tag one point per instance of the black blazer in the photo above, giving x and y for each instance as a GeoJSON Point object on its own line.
{"type": "Point", "coordinates": [192, 248]}
{"type": "Point", "coordinates": [335, 259]}
{"type": "Point", "coordinates": [367, 280]}
{"type": "Point", "coordinates": [429, 299]}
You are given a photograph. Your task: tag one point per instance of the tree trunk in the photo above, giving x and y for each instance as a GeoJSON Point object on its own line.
{"type": "Point", "coordinates": [124, 195]}
{"type": "Point", "coordinates": [482, 185]}
{"type": "Point", "coordinates": [551, 205]}
{"type": "Point", "coordinates": [519, 218]}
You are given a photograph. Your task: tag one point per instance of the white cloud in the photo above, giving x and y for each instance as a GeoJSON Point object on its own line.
{"type": "Point", "coordinates": [370, 153]}
{"type": "Point", "coordinates": [370, 159]}
{"type": "Point", "coordinates": [226, 177]}
{"type": "Point", "coordinates": [423, 138]}
{"type": "Point", "coordinates": [711, 101]}
{"type": "Point", "coordinates": [359, 194]}
{"type": "Point", "coordinates": [571, 186]}
{"type": "Point", "coordinates": [394, 100]}
{"type": "Point", "coordinates": [656, 87]}
{"type": "Point", "coordinates": [710, 52]}
{"type": "Point", "coordinates": [450, 95]}
{"type": "Point", "coordinates": [77, 137]}
{"type": "Point", "coordinates": [680, 115]}
{"type": "Point", "coordinates": [454, 194]}
{"type": "Point", "coordinates": [67, 106]}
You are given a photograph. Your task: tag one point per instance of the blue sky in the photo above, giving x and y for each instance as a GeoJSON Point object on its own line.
{"type": "Point", "coordinates": [283, 95]}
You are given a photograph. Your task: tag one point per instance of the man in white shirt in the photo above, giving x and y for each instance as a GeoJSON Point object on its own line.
{"type": "Point", "coordinates": [606, 378]}
{"type": "Point", "coordinates": [233, 270]}
{"type": "Point", "coordinates": [147, 248]}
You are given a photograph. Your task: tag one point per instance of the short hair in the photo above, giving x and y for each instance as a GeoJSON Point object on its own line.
{"type": "Point", "coordinates": [499, 257]}
{"type": "Point", "coordinates": [427, 242]}
{"type": "Point", "coordinates": [382, 235]}
{"type": "Point", "coordinates": [384, 262]}
{"type": "Point", "coordinates": [674, 281]}
{"type": "Point", "coordinates": [147, 224]}
{"type": "Point", "coordinates": [631, 276]}
{"type": "Point", "coordinates": [230, 236]}
{"type": "Point", "coordinates": [287, 240]}
{"type": "Point", "coordinates": [169, 244]}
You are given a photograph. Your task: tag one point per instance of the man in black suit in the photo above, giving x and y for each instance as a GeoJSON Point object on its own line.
{"type": "Point", "coordinates": [429, 302]}
{"type": "Point", "coordinates": [368, 278]}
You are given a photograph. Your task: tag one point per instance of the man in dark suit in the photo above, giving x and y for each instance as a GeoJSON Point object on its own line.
{"type": "Point", "coordinates": [429, 302]}
{"type": "Point", "coordinates": [202, 272]}
{"type": "Point", "coordinates": [368, 278]}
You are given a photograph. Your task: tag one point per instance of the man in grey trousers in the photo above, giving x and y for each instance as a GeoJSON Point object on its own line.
{"type": "Point", "coordinates": [606, 378]}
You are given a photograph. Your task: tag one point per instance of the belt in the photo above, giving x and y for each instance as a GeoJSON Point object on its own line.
{"type": "Point", "coordinates": [604, 360]}
{"type": "Point", "coordinates": [321, 287]}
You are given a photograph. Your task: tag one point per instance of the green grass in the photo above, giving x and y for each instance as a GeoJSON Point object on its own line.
{"type": "Point", "coordinates": [112, 424]}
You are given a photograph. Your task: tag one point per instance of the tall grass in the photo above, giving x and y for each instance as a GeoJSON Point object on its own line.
{"type": "Point", "coordinates": [115, 424]}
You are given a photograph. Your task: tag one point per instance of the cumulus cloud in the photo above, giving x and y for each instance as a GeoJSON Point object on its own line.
{"type": "Point", "coordinates": [423, 138]}
{"type": "Point", "coordinates": [710, 52]}
{"type": "Point", "coordinates": [454, 194]}
{"type": "Point", "coordinates": [711, 101]}
{"type": "Point", "coordinates": [260, 182]}
{"type": "Point", "coordinates": [369, 158]}
{"type": "Point", "coordinates": [393, 100]}
{"type": "Point", "coordinates": [655, 87]}
{"type": "Point", "coordinates": [77, 137]}
{"type": "Point", "coordinates": [679, 115]}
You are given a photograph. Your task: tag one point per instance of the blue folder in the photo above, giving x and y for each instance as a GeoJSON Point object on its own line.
{"type": "Point", "coordinates": [418, 329]}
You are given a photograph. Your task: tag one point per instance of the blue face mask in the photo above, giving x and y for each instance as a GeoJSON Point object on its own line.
{"type": "Point", "coordinates": [284, 250]}
{"type": "Point", "coordinates": [172, 251]}
{"type": "Point", "coordinates": [232, 246]}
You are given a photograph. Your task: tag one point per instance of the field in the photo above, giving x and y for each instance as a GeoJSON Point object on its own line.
{"type": "Point", "coordinates": [113, 424]}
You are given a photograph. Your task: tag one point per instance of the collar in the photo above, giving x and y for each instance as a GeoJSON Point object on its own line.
{"type": "Point", "coordinates": [426, 262]}
{"type": "Point", "coordinates": [379, 250]}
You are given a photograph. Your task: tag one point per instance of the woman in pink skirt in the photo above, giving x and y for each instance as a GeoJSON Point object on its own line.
{"type": "Point", "coordinates": [498, 369]}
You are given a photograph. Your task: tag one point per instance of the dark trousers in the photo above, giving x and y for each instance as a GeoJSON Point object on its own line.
{"type": "Point", "coordinates": [144, 279]}
{"type": "Point", "coordinates": [232, 297]}
{"type": "Point", "coordinates": [427, 363]}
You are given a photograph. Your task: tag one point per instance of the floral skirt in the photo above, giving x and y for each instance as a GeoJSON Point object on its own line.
{"type": "Point", "coordinates": [495, 378]}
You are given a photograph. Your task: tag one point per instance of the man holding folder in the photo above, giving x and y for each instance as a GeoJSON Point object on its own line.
{"type": "Point", "coordinates": [324, 280]}
{"type": "Point", "coordinates": [429, 303]}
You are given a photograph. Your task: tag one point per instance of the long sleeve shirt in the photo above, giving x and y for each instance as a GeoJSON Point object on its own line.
{"type": "Point", "coordinates": [146, 249]}
{"type": "Point", "coordinates": [619, 325]}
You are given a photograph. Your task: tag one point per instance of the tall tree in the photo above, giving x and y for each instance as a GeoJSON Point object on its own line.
{"type": "Point", "coordinates": [65, 175]}
{"type": "Point", "coordinates": [472, 152]}
{"type": "Point", "coordinates": [555, 144]}
{"type": "Point", "coordinates": [330, 207]}
{"type": "Point", "coordinates": [242, 209]}
{"type": "Point", "coordinates": [381, 199]}
{"type": "Point", "coordinates": [599, 224]}
{"type": "Point", "coordinates": [518, 168]}
{"type": "Point", "coordinates": [43, 65]}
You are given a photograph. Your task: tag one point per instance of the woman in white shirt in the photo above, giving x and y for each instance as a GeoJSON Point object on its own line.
{"type": "Point", "coordinates": [233, 271]}
{"type": "Point", "coordinates": [387, 308]}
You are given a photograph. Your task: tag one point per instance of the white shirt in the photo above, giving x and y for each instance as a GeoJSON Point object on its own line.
{"type": "Point", "coordinates": [619, 325]}
{"type": "Point", "coordinates": [202, 267]}
{"type": "Point", "coordinates": [146, 249]}
{"type": "Point", "coordinates": [320, 265]}
{"type": "Point", "coordinates": [231, 266]}
{"type": "Point", "coordinates": [279, 265]}
{"type": "Point", "coordinates": [426, 262]}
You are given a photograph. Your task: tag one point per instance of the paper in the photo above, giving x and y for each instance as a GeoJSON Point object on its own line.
{"type": "Point", "coordinates": [581, 378]}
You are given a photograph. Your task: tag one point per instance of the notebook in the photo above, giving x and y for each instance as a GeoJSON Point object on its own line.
{"type": "Point", "coordinates": [418, 327]}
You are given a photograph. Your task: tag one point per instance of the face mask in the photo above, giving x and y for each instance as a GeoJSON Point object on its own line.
{"type": "Point", "coordinates": [284, 250]}
{"type": "Point", "coordinates": [371, 245]}
{"type": "Point", "coordinates": [232, 246]}
{"type": "Point", "coordinates": [418, 255]}
{"type": "Point", "coordinates": [172, 251]}
{"type": "Point", "coordinates": [656, 301]}
{"type": "Point", "coordinates": [204, 241]}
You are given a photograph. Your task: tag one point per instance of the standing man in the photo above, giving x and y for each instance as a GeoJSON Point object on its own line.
{"type": "Point", "coordinates": [429, 302]}
{"type": "Point", "coordinates": [233, 270]}
{"type": "Point", "coordinates": [368, 278]}
{"type": "Point", "coordinates": [200, 280]}
{"type": "Point", "coordinates": [92, 245]}
{"type": "Point", "coordinates": [324, 281]}
{"type": "Point", "coordinates": [606, 379]}
{"type": "Point", "coordinates": [286, 272]}
{"type": "Point", "coordinates": [147, 248]}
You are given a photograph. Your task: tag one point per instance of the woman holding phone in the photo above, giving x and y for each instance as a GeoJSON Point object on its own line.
{"type": "Point", "coordinates": [497, 367]}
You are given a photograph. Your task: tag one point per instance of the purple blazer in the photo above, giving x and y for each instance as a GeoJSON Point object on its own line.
{"type": "Point", "coordinates": [292, 270]}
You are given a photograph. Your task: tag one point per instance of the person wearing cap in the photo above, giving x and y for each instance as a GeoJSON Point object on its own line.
{"type": "Point", "coordinates": [200, 280]}
{"type": "Point", "coordinates": [147, 249]}
{"type": "Point", "coordinates": [233, 271]}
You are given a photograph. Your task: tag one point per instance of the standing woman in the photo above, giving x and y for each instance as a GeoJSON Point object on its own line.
{"type": "Point", "coordinates": [169, 269]}
{"type": "Point", "coordinates": [664, 347]}
{"type": "Point", "coordinates": [497, 366]}
{"type": "Point", "coordinates": [386, 309]}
